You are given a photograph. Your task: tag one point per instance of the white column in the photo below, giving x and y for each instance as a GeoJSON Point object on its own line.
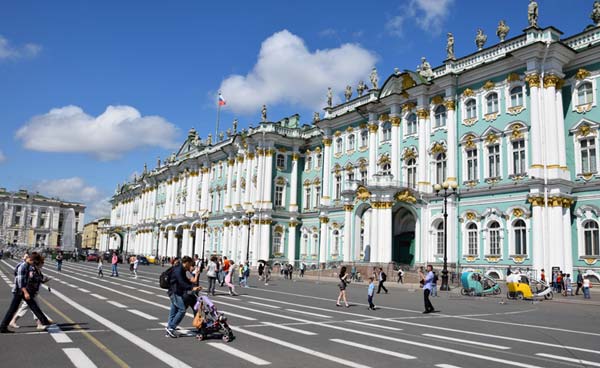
{"type": "Point", "coordinates": [535, 137]}
{"type": "Point", "coordinates": [537, 219]}
{"type": "Point", "coordinates": [424, 184]}
{"type": "Point", "coordinates": [372, 144]}
{"type": "Point", "coordinates": [263, 250]}
{"type": "Point", "coordinates": [229, 195]}
{"type": "Point", "coordinates": [238, 181]}
{"type": "Point", "coordinates": [185, 242]}
{"type": "Point", "coordinates": [198, 241]}
{"type": "Point", "coordinates": [566, 243]}
{"type": "Point", "coordinates": [171, 248]}
{"type": "Point", "coordinates": [326, 175]}
{"type": "Point", "coordinates": [384, 236]}
{"type": "Point", "coordinates": [550, 123]}
{"type": "Point", "coordinates": [291, 248]}
{"type": "Point", "coordinates": [374, 235]}
{"type": "Point", "coordinates": [226, 231]}
{"type": "Point", "coordinates": [324, 240]}
{"type": "Point", "coordinates": [205, 184]}
{"type": "Point", "coordinates": [250, 157]}
{"type": "Point", "coordinates": [162, 242]}
{"type": "Point", "coordinates": [452, 140]}
{"type": "Point", "coordinates": [267, 201]}
{"type": "Point", "coordinates": [395, 120]}
{"type": "Point", "coordinates": [294, 183]}
{"type": "Point", "coordinates": [348, 233]}
{"type": "Point", "coordinates": [257, 196]}
{"type": "Point", "coordinates": [241, 256]}
{"type": "Point", "coordinates": [555, 249]}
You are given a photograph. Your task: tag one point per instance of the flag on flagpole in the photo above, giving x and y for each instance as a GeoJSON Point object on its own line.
{"type": "Point", "coordinates": [221, 100]}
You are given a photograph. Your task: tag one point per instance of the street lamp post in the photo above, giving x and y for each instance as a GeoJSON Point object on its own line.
{"type": "Point", "coordinates": [249, 214]}
{"type": "Point", "coordinates": [204, 224]}
{"type": "Point", "coordinates": [445, 190]}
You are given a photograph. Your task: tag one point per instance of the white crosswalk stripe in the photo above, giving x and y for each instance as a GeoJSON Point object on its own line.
{"type": "Point", "coordinates": [586, 363]}
{"type": "Point", "coordinates": [238, 353]}
{"type": "Point", "coordinates": [78, 358]}
{"type": "Point", "coordinates": [296, 330]}
{"type": "Point", "coordinates": [373, 348]}
{"type": "Point", "coordinates": [142, 314]}
{"type": "Point", "coordinates": [467, 341]}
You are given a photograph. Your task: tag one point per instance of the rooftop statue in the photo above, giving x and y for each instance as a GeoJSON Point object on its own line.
{"type": "Point", "coordinates": [424, 69]}
{"type": "Point", "coordinates": [229, 133]}
{"type": "Point", "coordinates": [316, 117]}
{"type": "Point", "coordinates": [374, 78]}
{"type": "Point", "coordinates": [480, 39]}
{"type": "Point", "coordinates": [329, 97]}
{"type": "Point", "coordinates": [235, 125]}
{"type": "Point", "coordinates": [596, 13]}
{"type": "Point", "coordinates": [221, 136]}
{"type": "Point", "coordinates": [532, 13]}
{"type": "Point", "coordinates": [502, 30]}
{"type": "Point", "coordinates": [361, 88]}
{"type": "Point", "coordinates": [263, 113]}
{"type": "Point", "coordinates": [158, 162]}
{"type": "Point", "coordinates": [348, 93]}
{"type": "Point", "coordinates": [450, 47]}
{"type": "Point", "coordinates": [209, 139]}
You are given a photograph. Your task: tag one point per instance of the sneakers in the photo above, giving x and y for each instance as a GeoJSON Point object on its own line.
{"type": "Point", "coordinates": [13, 324]}
{"type": "Point", "coordinates": [42, 327]}
{"type": "Point", "coordinates": [170, 333]}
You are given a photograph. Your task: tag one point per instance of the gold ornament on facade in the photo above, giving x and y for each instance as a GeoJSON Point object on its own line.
{"type": "Point", "coordinates": [584, 130]}
{"type": "Point", "coordinates": [469, 143]}
{"type": "Point", "coordinates": [384, 159]}
{"type": "Point", "coordinates": [295, 156]}
{"type": "Point", "coordinates": [552, 81]}
{"type": "Point", "coordinates": [405, 196]}
{"type": "Point", "coordinates": [280, 181]}
{"type": "Point", "coordinates": [306, 183]}
{"type": "Point", "coordinates": [581, 109]}
{"type": "Point", "coordinates": [518, 259]}
{"type": "Point", "coordinates": [582, 74]}
{"type": "Point", "coordinates": [348, 207]}
{"type": "Point", "coordinates": [349, 167]}
{"type": "Point", "coordinates": [373, 128]}
{"type": "Point", "coordinates": [282, 149]}
{"type": "Point", "coordinates": [450, 105]}
{"type": "Point", "coordinates": [490, 117]}
{"type": "Point", "coordinates": [324, 219]}
{"type": "Point", "coordinates": [533, 80]}
{"type": "Point", "coordinates": [513, 77]}
{"type": "Point", "coordinates": [350, 129]}
{"type": "Point", "coordinates": [470, 216]}
{"type": "Point", "coordinates": [363, 194]}
{"type": "Point", "coordinates": [327, 141]}
{"type": "Point", "coordinates": [517, 212]}
{"type": "Point", "coordinates": [492, 259]}
{"type": "Point", "coordinates": [590, 261]}
{"type": "Point", "coordinates": [438, 148]}
{"type": "Point", "coordinates": [293, 223]}
{"type": "Point", "coordinates": [318, 150]}
{"type": "Point", "coordinates": [515, 110]}
{"type": "Point", "coordinates": [335, 225]}
{"type": "Point", "coordinates": [270, 152]}
{"type": "Point", "coordinates": [407, 81]}
{"type": "Point", "coordinates": [408, 154]}
{"type": "Point", "coordinates": [404, 94]}
{"type": "Point", "coordinates": [317, 181]}
{"type": "Point", "coordinates": [470, 258]}
{"type": "Point", "coordinates": [395, 120]}
{"type": "Point", "coordinates": [536, 201]}
{"type": "Point", "coordinates": [231, 162]}
{"type": "Point", "coordinates": [491, 138]}
{"type": "Point", "coordinates": [408, 106]}
{"type": "Point", "coordinates": [384, 117]}
{"type": "Point", "coordinates": [337, 133]}
{"type": "Point", "coordinates": [260, 152]}
{"type": "Point", "coordinates": [436, 100]}
{"type": "Point", "coordinates": [468, 92]}
{"type": "Point", "coordinates": [489, 85]}
{"type": "Point", "coordinates": [469, 121]}
{"type": "Point", "coordinates": [423, 114]}
{"type": "Point", "coordinates": [382, 205]}
{"type": "Point", "coordinates": [516, 132]}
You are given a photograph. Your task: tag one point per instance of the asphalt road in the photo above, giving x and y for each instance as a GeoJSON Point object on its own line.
{"type": "Point", "coordinates": [119, 322]}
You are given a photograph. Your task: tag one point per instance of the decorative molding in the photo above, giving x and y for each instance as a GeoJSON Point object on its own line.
{"type": "Point", "coordinates": [324, 219]}
{"type": "Point", "coordinates": [489, 85]}
{"type": "Point", "coordinates": [384, 117]}
{"type": "Point", "coordinates": [408, 106]}
{"type": "Point", "coordinates": [436, 100]}
{"type": "Point", "coordinates": [517, 212]}
{"type": "Point", "coordinates": [533, 80]}
{"type": "Point", "coordinates": [491, 138]}
{"type": "Point", "coordinates": [405, 196]}
{"type": "Point", "coordinates": [395, 120]}
{"type": "Point", "coordinates": [490, 117]}
{"type": "Point", "coordinates": [583, 108]}
{"type": "Point", "coordinates": [327, 141]}
{"type": "Point", "coordinates": [348, 207]}
{"type": "Point", "coordinates": [363, 194]}
{"type": "Point", "coordinates": [423, 114]}
{"type": "Point", "coordinates": [513, 77]}
{"type": "Point", "coordinates": [438, 148]}
{"type": "Point", "coordinates": [552, 80]}
{"type": "Point", "coordinates": [373, 128]}
{"type": "Point", "coordinates": [470, 216]}
{"type": "Point", "coordinates": [515, 110]}
{"type": "Point", "coordinates": [450, 105]}
{"type": "Point", "coordinates": [337, 133]}
{"type": "Point", "coordinates": [492, 259]}
{"type": "Point", "coordinates": [469, 144]}
{"type": "Point", "coordinates": [382, 205]}
{"type": "Point", "coordinates": [468, 92]}
{"type": "Point", "coordinates": [516, 132]}
{"type": "Point", "coordinates": [469, 121]}
{"type": "Point", "coordinates": [582, 74]}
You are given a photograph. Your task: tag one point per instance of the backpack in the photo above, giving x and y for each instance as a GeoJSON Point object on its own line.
{"type": "Point", "coordinates": [435, 278]}
{"type": "Point", "coordinates": [383, 276]}
{"type": "Point", "coordinates": [164, 280]}
{"type": "Point", "coordinates": [247, 272]}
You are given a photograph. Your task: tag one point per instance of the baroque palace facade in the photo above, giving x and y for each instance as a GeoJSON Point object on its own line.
{"type": "Point", "coordinates": [515, 125]}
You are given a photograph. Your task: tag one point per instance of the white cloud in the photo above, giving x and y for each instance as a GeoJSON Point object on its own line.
{"type": "Point", "coordinates": [7, 51]}
{"type": "Point", "coordinates": [287, 72]}
{"type": "Point", "coordinates": [77, 190]}
{"type": "Point", "coordinates": [108, 136]}
{"type": "Point", "coordinates": [429, 15]}
{"type": "Point", "coordinates": [2, 157]}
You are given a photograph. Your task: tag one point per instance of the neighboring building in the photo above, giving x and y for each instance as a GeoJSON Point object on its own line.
{"type": "Point", "coordinates": [33, 220]}
{"type": "Point", "coordinates": [515, 125]}
{"type": "Point", "coordinates": [90, 235]}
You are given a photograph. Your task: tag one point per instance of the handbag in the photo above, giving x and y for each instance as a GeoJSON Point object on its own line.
{"type": "Point", "coordinates": [197, 322]}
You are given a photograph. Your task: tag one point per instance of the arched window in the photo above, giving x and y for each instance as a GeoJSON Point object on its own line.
{"type": "Point", "coordinates": [339, 145]}
{"type": "Point", "coordinates": [363, 174]}
{"type": "Point", "coordinates": [336, 243]}
{"type": "Point", "coordinates": [494, 238]}
{"type": "Point", "coordinates": [351, 142]}
{"type": "Point", "coordinates": [440, 168]}
{"type": "Point", "coordinates": [588, 155]}
{"type": "Point", "coordinates": [584, 93]}
{"type": "Point", "coordinates": [471, 107]}
{"type": "Point", "coordinates": [364, 138]}
{"type": "Point", "coordinates": [516, 96]}
{"type": "Point", "coordinates": [278, 242]}
{"type": "Point", "coordinates": [472, 239]}
{"type": "Point", "coordinates": [492, 103]}
{"type": "Point", "coordinates": [338, 187]}
{"type": "Point", "coordinates": [304, 246]}
{"type": "Point", "coordinates": [440, 116]}
{"type": "Point", "coordinates": [439, 231]}
{"type": "Point", "coordinates": [590, 236]}
{"type": "Point", "coordinates": [520, 232]}
{"type": "Point", "coordinates": [279, 189]}
{"type": "Point", "coordinates": [318, 160]}
{"type": "Point", "coordinates": [317, 196]}
{"type": "Point", "coordinates": [280, 161]}
{"type": "Point", "coordinates": [411, 124]}
{"type": "Point", "coordinates": [350, 175]}
{"type": "Point", "coordinates": [307, 203]}
{"type": "Point", "coordinates": [386, 169]}
{"type": "Point", "coordinates": [309, 163]}
{"type": "Point", "coordinates": [472, 165]}
{"type": "Point", "coordinates": [518, 153]}
{"type": "Point", "coordinates": [411, 172]}
{"type": "Point", "coordinates": [386, 132]}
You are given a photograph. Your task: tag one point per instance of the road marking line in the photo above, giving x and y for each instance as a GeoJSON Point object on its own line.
{"type": "Point", "coordinates": [467, 341]}
{"type": "Point", "coordinates": [99, 296]}
{"type": "Point", "coordinates": [128, 287]}
{"type": "Point", "coordinates": [309, 313]}
{"type": "Point", "coordinates": [372, 348]}
{"type": "Point", "coordinates": [142, 314]}
{"type": "Point", "coordinates": [302, 349]}
{"type": "Point", "coordinates": [237, 315]}
{"type": "Point", "coordinates": [376, 326]}
{"type": "Point", "coordinates": [446, 366]}
{"type": "Point", "coordinates": [578, 361]}
{"type": "Point", "coordinates": [526, 325]}
{"type": "Point", "coordinates": [238, 353]}
{"type": "Point", "coordinates": [145, 291]}
{"type": "Point", "coordinates": [73, 286]}
{"type": "Point", "coordinates": [84, 290]}
{"type": "Point", "coordinates": [78, 358]}
{"type": "Point", "coordinates": [118, 305]}
{"type": "Point", "coordinates": [58, 335]}
{"type": "Point", "coordinates": [265, 305]}
{"type": "Point", "coordinates": [289, 329]}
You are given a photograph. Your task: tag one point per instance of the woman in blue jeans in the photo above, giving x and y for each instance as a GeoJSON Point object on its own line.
{"type": "Point", "coordinates": [211, 273]}
{"type": "Point", "coordinates": [179, 288]}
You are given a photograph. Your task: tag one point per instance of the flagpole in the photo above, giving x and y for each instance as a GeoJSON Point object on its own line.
{"type": "Point", "coordinates": [218, 118]}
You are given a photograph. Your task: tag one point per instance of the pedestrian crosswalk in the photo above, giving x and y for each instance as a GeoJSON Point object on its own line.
{"type": "Point", "coordinates": [315, 330]}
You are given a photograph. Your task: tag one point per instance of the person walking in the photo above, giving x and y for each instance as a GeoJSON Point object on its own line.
{"type": "Point", "coordinates": [370, 292]}
{"type": "Point", "coordinates": [434, 284]}
{"type": "Point", "coordinates": [579, 282]}
{"type": "Point", "coordinates": [26, 286]}
{"type": "Point", "coordinates": [261, 270]}
{"type": "Point", "coordinates": [136, 263]}
{"type": "Point", "coordinates": [427, 286]}
{"type": "Point", "coordinates": [211, 273]}
{"type": "Point", "coordinates": [267, 274]}
{"type": "Point", "coordinates": [302, 268]}
{"type": "Point", "coordinates": [180, 286]}
{"type": "Point", "coordinates": [543, 276]}
{"type": "Point", "coordinates": [586, 288]}
{"type": "Point", "coordinates": [246, 274]}
{"type": "Point", "coordinates": [353, 273]}
{"type": "Point", "coordinates": [290, 268]}
{"type": "Point", "coordinates": [421, 277]}
{"type": "Point", "coordinates": [100, 265]}
{"type": "Point", "coordinates": [59, 261]}
{"type": "Point", "coordinates": [343, 276]}
{"type": "Point", "coordinates": [39, 279]}
{"type": "Point", "coordinates": [382, 277]}
{"type": "Point", "coordinates": [228, 277]}
{"type": "Point", "coordinates": [400, 276]}
{"type": "Point", "coordinates": [114, 262]}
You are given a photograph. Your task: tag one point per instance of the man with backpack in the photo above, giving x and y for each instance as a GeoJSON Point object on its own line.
{"type": "Point", "coordinates": [382, 278]}
{"type": "Point", "coordinates": [180, 286]}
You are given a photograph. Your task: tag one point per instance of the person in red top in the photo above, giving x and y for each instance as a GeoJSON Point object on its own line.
{"type": "Point", "coordinates": [543, 276]}
{"type": "Point", "coordinates": [226, 265]}
{"type": "Point", "coordinates": [115, 261]}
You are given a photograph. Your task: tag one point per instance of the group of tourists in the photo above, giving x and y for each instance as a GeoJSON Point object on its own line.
{"type": "Point", "coordinates": [563, 284]}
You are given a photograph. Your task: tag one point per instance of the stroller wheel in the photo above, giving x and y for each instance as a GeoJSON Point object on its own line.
{"type": "Point", "coordinates": [200, 337]}
{"type": "Point", "coordinates": [226, 338]}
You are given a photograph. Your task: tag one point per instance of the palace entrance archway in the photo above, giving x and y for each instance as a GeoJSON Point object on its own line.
{"type": "Point", "coordinates": [403, 231]}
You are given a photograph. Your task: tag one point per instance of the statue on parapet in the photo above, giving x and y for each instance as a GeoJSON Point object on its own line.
{"type": "Point", "coordinates": [235, 125]}
{"type": "Point", "coordinates": [263, 113]}
{"type": "Point", "coordinates": [532, 13]}
{"type": "Point", "coordinates": [209, 139]}
{"type": "Point", "coordinates": [221, 136]}
{"type": "Point", "coordinates": [374, 78]}
{"type": "Point", "coordinates": [480, 39]}
{"type": "Point", "coordinates": [450, 47]}
{"type": "Point", "coordinates": [316, 117]}
{"type": "Point", "coordinates": [502, 30]}
{"type": "Point", "coordinates": [596, 13]}
{"type": "Point", "coordinates": [329, 97]}
{"type": "Point", "coordinates": [348, 93]}
{"type": "Point", "coordinates": [361, 88]}
{"type": "Point", "coordinates": [424, 69]}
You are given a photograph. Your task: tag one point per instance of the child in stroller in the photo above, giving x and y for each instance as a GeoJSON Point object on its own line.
{"type": "Point", "coordinates": [209, 320]}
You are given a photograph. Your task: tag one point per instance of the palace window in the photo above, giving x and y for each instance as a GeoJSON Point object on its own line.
{"type": "Point", "coordinates": [440, 168]}
{"type": "Point", "coordinates": [518, 154]}
{"type": "Point", "coordinates": [585, 94]}
{"type": "Point", "coordinates": [472, 165]}
{"type": "Point", "coordinates": [439, 236]}
{"type": "Point", "coordinates": [280, 161]}
{"type": "Point", "coordinates": [304, 246]}
{"type": "Point", "coordinates": [364, 138]}
{"type": "Point", "coordinates": [494, 238]}
{"type": "Point", "coordinates": [440, 116]}
{"type": "Point", "coordinates": [591, 235]}
{"type": "Point", "coordinates": [336, 242]}
{"type": "Point", "coordinates": [338, 187]}
{"type": "Point", "coordinates": [279, 189]}
{"type": "Point", "coordinates": [309, 163]}
{"type": "Point", "coordinates": [520, 232]}
{"type": "Point", "coordinates": [350, 175]}
{"type": "Point", "coordinates": [386, 169]}
{"type": "Point", "coordinates": [339, 145]}
{"type": "Point", "coordinates": [411, 173]}
{"type": "Point", "coordinates": [218, 201]}
{"type": "Point", "coordinates": [411, 124]}
{"type": "Point", "coordinates": [494, 161]}
{"type": "Point", "coordinates": [363, 175]}
{"type": "Point", "coordinates": [277, 242]}
{"type": "Point", "coordinates": [318, 160]}
{"type": "Point", "coordinates": [386, 132]}
{"type": "Point", "coordinates": [471, 108]}
{"type": "Point", "coordinates": [351, 142]}
{"type": "Point", "coordinates": [492, 103]}
{"type": "Point", "coordinates": [588, 155]}
{"type": "Point", "coordinates": [317, 196]}
{"type": "Point", "coordinates": [307, 203]}
{"type": "Point", "coordinates": [472, 239]}
{"type": "Point", "coordinates": [516, 96]}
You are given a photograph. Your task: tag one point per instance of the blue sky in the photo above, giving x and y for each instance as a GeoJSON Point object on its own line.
{"type": "Point", "coordinates": [90, 90]}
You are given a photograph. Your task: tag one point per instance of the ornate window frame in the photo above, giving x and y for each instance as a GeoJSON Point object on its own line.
{"type": "Point", "coordinates": [490, 116]}
{"type": "Point", "coordinates": [470, 142]}
{"type": "Point", "coordinates": [485, 231]}
{"type": "Point", "coordinates": [516, 131]}
{"type": "Point", "coordinates": [280, 183]}
{"type": "Point", "coordinates": [350, 143]}
{"type": "Point", "coordinates": [434, 113]}
{"type": "Point", "coordinates": [284, 158]}
{"type": "Point", "coordinates": [576, 84]}
{"type": "Point", "coordinates": [492, 137]}
{"type": "Point", "coordinates": [466, 120]}
{"type": "Point", "coordinates": [584, 214]}
{"type": "Point", "coordinates": [514, 80]}
{"type": "Point", "coordinates": [585, 129]}
{"type": "Point", "coordinates": [465, 242]}
{"type": "Point", "coordinates": [406, 132]}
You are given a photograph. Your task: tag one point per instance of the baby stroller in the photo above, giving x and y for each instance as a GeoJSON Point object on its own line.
{"type": "Point", "coordinates": [209, 320]}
